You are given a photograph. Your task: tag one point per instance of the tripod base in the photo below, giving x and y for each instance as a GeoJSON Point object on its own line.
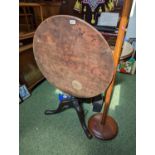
{"type": "Point", "coordinates": [77, 105]}
{"type": "Point", "coordinates": [105, 131]}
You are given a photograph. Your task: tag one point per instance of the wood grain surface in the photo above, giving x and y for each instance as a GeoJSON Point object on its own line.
{"type": "Point", "coordinates": [73, 56]}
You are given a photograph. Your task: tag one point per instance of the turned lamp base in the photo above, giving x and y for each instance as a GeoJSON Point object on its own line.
{"type": "Point", "coordinates": [105, 131]}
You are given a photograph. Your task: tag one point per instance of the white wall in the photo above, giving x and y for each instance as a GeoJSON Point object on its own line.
{"type": "Point", "coordinates": [131, 31]}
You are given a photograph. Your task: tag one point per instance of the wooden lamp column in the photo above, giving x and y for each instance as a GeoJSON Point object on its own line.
{"type": "Point", "coordinates": [101, 125]}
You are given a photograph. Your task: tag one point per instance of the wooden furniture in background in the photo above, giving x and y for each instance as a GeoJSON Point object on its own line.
{"type": "Point", "coordinates": [31, 15]}
{"type": "Point", "coordinates": [27, 20]}
{"type": "Point", "coordinates": [26, 36]}
{"type": "Point", "coordinates": [67, 8]}
{"type": "Point", "coordinates": [29, 74]}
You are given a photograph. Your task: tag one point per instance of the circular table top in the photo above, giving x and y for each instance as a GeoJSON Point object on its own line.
{"type": "Point", "coordinates": [73, 56]}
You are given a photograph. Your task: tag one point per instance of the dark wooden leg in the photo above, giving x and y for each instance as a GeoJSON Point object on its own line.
{"type": "Point", "coordinates": [77, 106]}
{"type": "Point", "coordinates": [62, 106]}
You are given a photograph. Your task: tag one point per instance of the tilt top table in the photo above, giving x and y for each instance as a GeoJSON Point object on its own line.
{"type": "Point", "coordinates": [74, 57]}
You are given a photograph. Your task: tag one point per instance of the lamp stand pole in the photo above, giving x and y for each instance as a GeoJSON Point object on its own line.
{"type": "Point", "coordinates": [101, 125]}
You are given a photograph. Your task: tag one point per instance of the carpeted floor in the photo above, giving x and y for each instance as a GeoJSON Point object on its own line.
{"type": "Point", "coordinates": [61, 134]}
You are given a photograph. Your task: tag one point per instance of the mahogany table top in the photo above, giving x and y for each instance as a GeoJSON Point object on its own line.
{"type": "Point", "coordinates": [73, 56]}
